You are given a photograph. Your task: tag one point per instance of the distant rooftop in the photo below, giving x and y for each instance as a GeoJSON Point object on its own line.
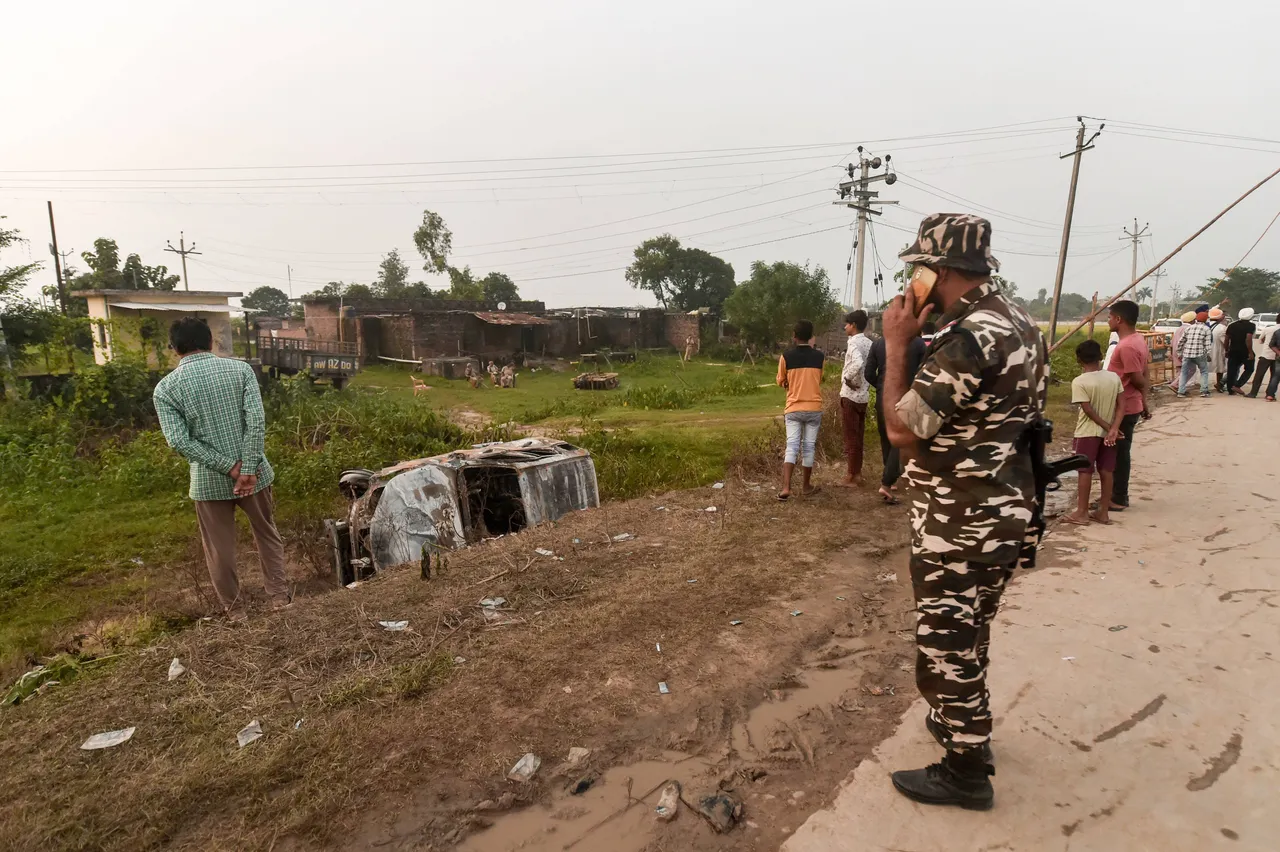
{"type": "Point", "coordinates": [167, 294]}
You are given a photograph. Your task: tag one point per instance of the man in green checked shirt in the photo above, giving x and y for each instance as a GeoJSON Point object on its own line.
{"type": "Point", "coordinates": [211, 412]}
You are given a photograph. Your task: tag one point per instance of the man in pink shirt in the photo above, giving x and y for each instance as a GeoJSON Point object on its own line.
{"type": "Point", "coordinates": [1129, 361]}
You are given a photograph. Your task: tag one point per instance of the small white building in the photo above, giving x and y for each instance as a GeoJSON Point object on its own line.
{"type": "Point", "coordinates": [138, 321]}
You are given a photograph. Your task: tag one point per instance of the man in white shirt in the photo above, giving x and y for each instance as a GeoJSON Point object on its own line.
{"type": "Point", "coordinates": [1218, 355]}
{"type": "Point", "coordinates": [854, 394]}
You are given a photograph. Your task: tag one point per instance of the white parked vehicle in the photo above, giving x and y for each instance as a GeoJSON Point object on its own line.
{"type": "Point", "coordinates": [1169, 324]}
{"type": "Point", "coordinates": [1266, 326]}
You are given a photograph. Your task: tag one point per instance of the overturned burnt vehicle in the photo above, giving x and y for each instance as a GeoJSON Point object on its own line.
{"type": "Point", "coordinates": [415, 510]}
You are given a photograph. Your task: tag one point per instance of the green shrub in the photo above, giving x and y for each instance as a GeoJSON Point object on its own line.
{"type": "Point", "coordinates": [117, 393]}
{"type": "Point", "coordinates": [629, 464]}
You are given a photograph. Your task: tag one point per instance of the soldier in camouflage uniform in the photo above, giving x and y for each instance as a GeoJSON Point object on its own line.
{"type": "Point", "coordinates": [964, 420]}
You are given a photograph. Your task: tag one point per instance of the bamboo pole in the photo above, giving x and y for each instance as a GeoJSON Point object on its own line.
{"type": "Point", "coordinates": [1163, 260]}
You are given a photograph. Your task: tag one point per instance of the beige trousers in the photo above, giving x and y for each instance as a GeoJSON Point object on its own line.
{"type": "Point", "coordinates": [218, 534]}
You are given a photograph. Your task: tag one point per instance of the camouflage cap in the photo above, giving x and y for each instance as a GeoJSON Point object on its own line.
{"type": "Point", "coordinates": [958, 240]}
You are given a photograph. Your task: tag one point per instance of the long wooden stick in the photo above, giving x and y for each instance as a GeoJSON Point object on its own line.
{"type": "Point", "coordinates": [1163, 261]}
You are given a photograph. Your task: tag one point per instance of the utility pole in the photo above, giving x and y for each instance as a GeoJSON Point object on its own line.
{"type": "Point", "coordinates": [290, 271]}
{"type": "Point", "coordinates": [57, 264]}
{"type": "Point", "coordinates": [184, 251]}
{"type": "Point", "coordinates": [1155, 290]}
{"type": "Point", "coordinates": [854, 193]}
{"type": "Point", "coordinates": [1081, 147]}
{"type": "Point", "coordinates": [1135, 236]}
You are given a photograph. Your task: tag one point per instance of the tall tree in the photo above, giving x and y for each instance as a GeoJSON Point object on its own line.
{"type": "Point", "coordinates": [13, 277]}
{"type": "Point", "coordinates": [434, 241]}
{"type": "Point", "coordinates": [393, 276]}
{"type": "Point", "coordinates": [498, 287]}
{"type": "Point", "coordinates": [333, 289]}
{"type": "Point", "coordinates": [138, 276]}
{"type": "Point", "coordinates": [18, 316]}
{"type": "Point", "coordinates": [359, 291]}
{"type": "Point", "coordinates": [463, 284]}
{"type": "Point", "coordinates": [768, 304]}
{"type": "Point", "coordinates": [680, 278]}
{"type": "Point", "coordinates": [266, 301]}
{"type": "Point", "coordinates": [1244, 287]}
{"type": "Point", "coordinates": [104, 266]}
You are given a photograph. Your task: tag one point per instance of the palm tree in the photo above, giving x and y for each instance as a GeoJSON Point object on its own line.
{"type": "Point", "coordinates": [1143, 296]}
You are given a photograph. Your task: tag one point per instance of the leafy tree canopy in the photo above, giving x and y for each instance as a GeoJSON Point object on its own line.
{"type": "Point", "coordinates": [680, 278]}
{"type": "Point", "coordinates": [13, 277]}
{"type": "Point", "coordinates": [463, 284]}
{"type": "Point", "coordinates": [393, 276]}
{"type": "Point", "coordinates": [105, 272]}
{"type": "Point", "coordinates": [138, 276]}
{"type": "Point", "coordinates": [267, 302]}
{"type": "Point", "coordinates": [1244, 287]}
{"type": "Point", "coordinates": [498, 287]}
{"type": "Point", "coordinates": [768, 304]}
{"type": "Point", "coordinates": [434, 241]}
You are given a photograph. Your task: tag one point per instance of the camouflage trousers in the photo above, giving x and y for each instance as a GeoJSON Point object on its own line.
{"type": "Point", "coordinates": [956, 601]}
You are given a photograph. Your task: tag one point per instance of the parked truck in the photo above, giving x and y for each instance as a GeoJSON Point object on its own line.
{"type": "Point", "coordinates": [335, 360]}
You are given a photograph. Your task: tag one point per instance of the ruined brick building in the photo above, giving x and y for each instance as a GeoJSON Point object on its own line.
{"type": "Point", "coordinates": [411, 330]}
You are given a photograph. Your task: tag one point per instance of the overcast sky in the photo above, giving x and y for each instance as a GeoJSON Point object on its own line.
{"type": "Point", "coordinates": [724, 123]}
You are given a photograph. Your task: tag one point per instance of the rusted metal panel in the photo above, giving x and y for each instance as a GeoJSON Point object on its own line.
{"type": "Point", "coordinates": [504, 318]}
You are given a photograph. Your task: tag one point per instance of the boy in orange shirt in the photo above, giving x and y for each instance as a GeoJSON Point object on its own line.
{"type": "Point", "coordinates": [800, 372]}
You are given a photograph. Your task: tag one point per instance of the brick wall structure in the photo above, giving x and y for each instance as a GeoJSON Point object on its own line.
{"type": "Point", "coordinates": [677, 327]}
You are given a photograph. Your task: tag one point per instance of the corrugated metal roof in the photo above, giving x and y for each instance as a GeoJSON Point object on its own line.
{"type": "Point", "coordinates": [181, 307]}
{"type": "Point", "coordinates": [504, 318]}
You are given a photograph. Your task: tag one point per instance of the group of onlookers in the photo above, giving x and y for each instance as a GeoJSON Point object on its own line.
{"type": "Point", "coordinates": [800, 371]}
{"type": "Point", "coordinates": [1208, 343]}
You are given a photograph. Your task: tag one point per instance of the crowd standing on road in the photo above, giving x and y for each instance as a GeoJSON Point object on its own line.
{"type": "Point", "coordinates": [1194, 348]}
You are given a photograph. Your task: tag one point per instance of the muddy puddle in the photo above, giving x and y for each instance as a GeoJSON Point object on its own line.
{"type": "Point", "coordinates": [616, 813]}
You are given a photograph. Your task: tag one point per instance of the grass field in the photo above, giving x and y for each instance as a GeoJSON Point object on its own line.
{"type": "Point", "coordinates": [656, 389]}
{"type": "Point", "coordinates": [91, 532]}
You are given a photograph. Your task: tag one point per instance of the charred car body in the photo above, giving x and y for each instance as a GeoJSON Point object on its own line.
{"type": "Point", "coordinates": [413, 510]}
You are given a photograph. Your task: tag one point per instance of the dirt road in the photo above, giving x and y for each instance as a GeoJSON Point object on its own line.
{"type": "Point", "coordinates": [1135, 674]}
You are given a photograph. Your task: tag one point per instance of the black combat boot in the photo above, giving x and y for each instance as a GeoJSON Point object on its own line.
{"type": "Point", "coordinates": [958, 779]}
{"type": "Point", "coordinates": [939, 733]}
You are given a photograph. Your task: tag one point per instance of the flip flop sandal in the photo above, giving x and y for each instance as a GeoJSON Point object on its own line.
{"type": "Point", "coordinates": [889, 499]}
{"type": "Point", "coordinates": [782, 498]}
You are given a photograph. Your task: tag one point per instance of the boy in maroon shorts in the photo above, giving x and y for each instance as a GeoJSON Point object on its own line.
{"type": "Point", "coordinates": [1098, 393]}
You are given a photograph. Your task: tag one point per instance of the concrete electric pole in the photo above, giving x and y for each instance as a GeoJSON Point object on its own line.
{"type": "Point", "coordinates": [57, 262]}
{"type": "Point", "coordinates": [1155, 290]}
{"type": "Point", "coordinates": [854, 193]}
{"type": "Point", "coordinates": [184, 251]}
{"type": "Point", "coordinates": [1081, 147]}
{"type": "Point", "coordinates": [1136, 236]}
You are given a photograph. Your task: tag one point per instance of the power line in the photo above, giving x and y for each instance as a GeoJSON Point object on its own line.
{"type": "Point", "coordinates": [462, 250]}
{"type": "Point", "coordinates": [223, 185]}
{"type": "Point", "coordinates": [979, 130]}
{"type": "Point", "coordinates": [952, 197]}
{"type": "Point", "coordinates": [1188, 132]}
{"type": "Point", "coordinates": [733, 248]}
{"type": "Point", "coordinates": [1197, 142]}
